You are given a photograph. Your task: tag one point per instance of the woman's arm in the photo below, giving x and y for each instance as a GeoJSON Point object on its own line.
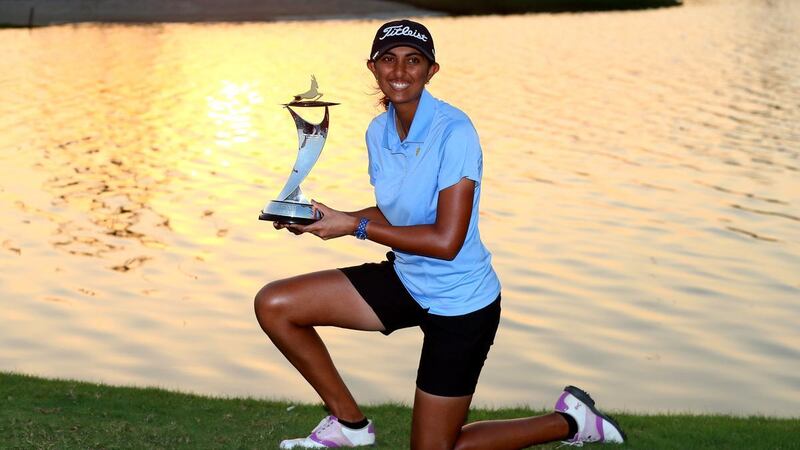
{"type": "Point", "coordinates": [372, 213]}
{"type": "Point", "coordinates": [442, 239]}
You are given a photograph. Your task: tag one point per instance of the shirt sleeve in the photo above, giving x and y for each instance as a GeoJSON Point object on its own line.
{"type": "Point", "coordinates": [373, 139]}
{"type": "Point", "coordinates": [371, 158]}
{"type": "Point", "coordinates": [461, 156]}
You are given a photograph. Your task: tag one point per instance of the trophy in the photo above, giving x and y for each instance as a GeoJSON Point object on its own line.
{"type": "Point", "coordinates": [291, 206]}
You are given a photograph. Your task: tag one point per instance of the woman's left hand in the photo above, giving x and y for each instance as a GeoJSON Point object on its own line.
{"type": "Point", "coordinates": [333, 223]}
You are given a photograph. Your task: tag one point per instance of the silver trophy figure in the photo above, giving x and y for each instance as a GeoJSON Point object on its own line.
{"type": "Point", "coordinates": [291, 205]}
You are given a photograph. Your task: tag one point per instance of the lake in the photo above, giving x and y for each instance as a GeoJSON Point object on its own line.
{"type": "Point", "coordinates": [641, 200]}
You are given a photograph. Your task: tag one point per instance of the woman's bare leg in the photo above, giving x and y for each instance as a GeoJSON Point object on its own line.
{"type": "Point", "coordinates": [513, 433]}
{"type": "Point", "coordinates": [288, 310]}
{"type": "Point", "coordinates": [438, 424]}
{"type": "Point", "coordinates": [436, 421]}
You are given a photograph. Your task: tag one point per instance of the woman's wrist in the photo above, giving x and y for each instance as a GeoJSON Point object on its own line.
{"type": "Point", "coordinates": [361, 229]}
{"type": "Point", "coordinates": [354, 226]}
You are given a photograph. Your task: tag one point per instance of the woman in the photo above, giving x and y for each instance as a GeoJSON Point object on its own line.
{"type": "Point", "coordinates": [425, 163]}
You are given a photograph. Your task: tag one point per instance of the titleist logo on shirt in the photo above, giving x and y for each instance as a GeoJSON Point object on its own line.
{"type": "Point", "coordinates": [399, 30]}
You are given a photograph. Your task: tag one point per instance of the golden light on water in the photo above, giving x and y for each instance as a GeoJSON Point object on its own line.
{"type": "Point", "coordinates": [639, 198]}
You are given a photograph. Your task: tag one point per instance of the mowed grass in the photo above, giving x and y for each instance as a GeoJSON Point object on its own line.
{"type": "Point", "coordinates": [61, 414]}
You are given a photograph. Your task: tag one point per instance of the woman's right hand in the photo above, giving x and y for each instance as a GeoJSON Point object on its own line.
{"type": "Point", "coordinates": [296, 229]}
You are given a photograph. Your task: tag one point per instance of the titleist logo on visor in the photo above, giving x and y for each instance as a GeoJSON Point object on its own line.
{"type": "Point", "coordinates": [399, 30]}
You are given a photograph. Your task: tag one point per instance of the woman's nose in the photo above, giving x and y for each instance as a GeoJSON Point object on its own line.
{"type": "Point", "coordinates": [399, 68]}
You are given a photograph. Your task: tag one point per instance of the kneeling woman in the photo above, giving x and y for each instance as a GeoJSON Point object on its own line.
{"type": "Point", "coordinates": [425, 163]}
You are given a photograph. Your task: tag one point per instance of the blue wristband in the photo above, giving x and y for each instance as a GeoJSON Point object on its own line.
{"type": "Point", "coordinates": [361, 231]}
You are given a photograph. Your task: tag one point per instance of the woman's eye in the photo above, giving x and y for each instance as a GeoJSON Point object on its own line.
{"type": "Point", "coordinates": [387, 59]}
{"type": "Point", "coordinates": [413, 60]}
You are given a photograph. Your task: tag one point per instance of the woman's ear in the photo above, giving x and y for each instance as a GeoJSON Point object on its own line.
{"type": "Point", "coordinates": [371, 67]}
{"type": "Point", "coordinates": [432, 70]}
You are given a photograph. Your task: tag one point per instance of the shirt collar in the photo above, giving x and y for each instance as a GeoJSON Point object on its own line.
{"type": "Point", "coordinates": [420, 126]}
{"type": "Point", "coordinates": [422, 118]}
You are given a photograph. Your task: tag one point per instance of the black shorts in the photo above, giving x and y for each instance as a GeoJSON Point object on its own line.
{"type": "Point", "coordinates": [454, 348]}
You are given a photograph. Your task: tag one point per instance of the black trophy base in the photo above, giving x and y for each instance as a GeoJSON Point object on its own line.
{"type": "Point", "coordinates": [288, 213]}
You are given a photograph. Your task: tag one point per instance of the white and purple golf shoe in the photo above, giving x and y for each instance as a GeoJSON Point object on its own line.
{"type": "Point", "coordinates": [593, 425]}
{"type": "Point", "coordinates": [331, 434]}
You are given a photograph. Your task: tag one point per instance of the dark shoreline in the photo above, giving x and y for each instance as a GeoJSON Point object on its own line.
{"type": "Point", "coordinates": [30, 13]}
{"type": "Point", "coordinates": [37, 13]}
{"type": "Point", "coordinates": [476, 7]}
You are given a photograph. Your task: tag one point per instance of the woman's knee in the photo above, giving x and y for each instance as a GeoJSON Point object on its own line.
{"type": "Point", "coordinates": [465, 444]}
{"type": "Point", "coordinates": [271, 303]}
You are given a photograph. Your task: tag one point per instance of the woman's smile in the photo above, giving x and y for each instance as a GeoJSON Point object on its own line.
{"type": "Point", "coordinates": [399, 85]}
{"type": "Point", "coordinates": [401, 73]}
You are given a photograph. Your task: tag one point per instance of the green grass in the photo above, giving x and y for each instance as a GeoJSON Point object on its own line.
{"type": "Point", "coordinates": [59, 414]}
{"type": "Point", "coordinates": [523, 6]}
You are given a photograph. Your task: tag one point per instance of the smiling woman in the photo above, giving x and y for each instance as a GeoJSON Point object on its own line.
{"type": "Point", "coordinates": [426, 165]}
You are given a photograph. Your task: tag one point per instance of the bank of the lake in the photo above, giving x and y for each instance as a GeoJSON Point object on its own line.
{"type": "Point", "coordinates": [45, 413]}
{"type": "Point", "coordinates": [24, 13]}
{"type": "Point", "coordinates": [459, 7]}
{"type": "Point", "coordinates": [29, 13]}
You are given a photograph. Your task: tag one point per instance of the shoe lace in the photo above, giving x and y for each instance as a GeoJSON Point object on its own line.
{"type": "Point", "coordinates": [325, 424]}
{"type": "Point", "coordinates": [571, 444]}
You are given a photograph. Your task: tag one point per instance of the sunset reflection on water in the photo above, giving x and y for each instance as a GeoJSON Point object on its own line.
{"type": "Point", "coordinates": [640, 200]}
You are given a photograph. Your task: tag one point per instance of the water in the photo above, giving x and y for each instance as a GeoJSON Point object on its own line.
{"type": "Point", "coordinates": [641, 196]}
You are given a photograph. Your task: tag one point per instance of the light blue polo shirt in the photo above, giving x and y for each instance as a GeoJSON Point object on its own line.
{"type": "Point", "coordinates": [441, 148]}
